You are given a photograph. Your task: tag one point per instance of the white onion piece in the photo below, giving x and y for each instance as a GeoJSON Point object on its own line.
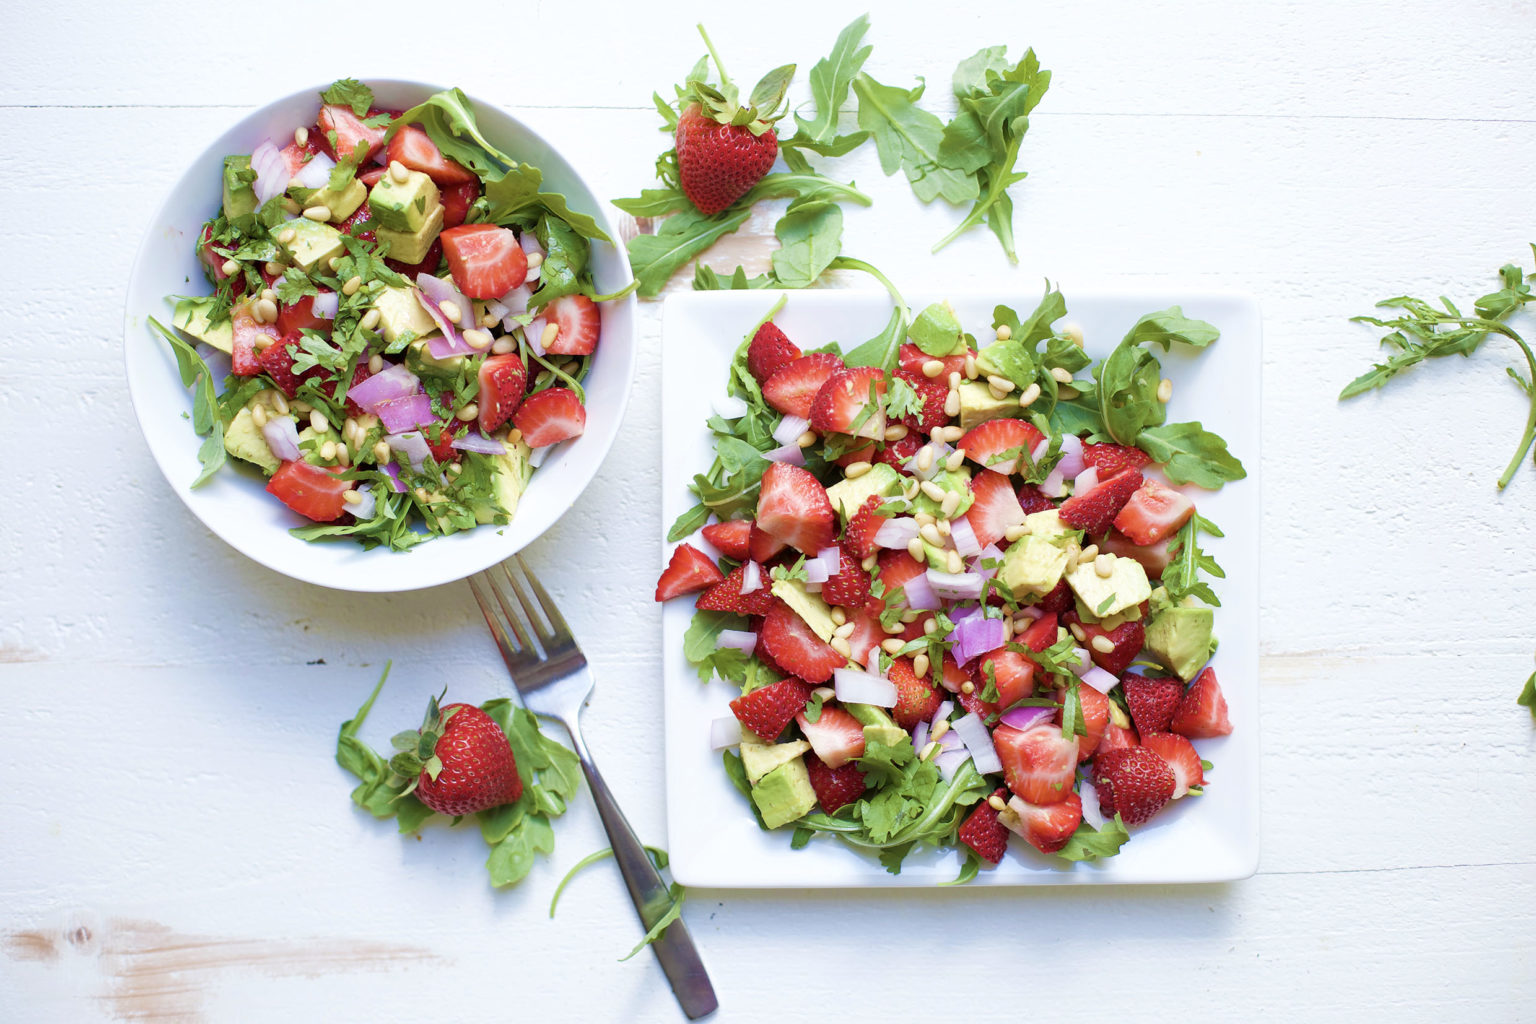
{"type": "Point", "coordinates": [363, 510]}
{"type": "Point", "coordinates": [832, 558]}
{"type": "Point", "coordinates": [271, 171]}
{"type": "Point", "coordinates": [496, 311]}
{"type": "Point", "coordinates": [1029, 611]}
{"type": "Point", "coordinates": [724, 732]}
{"type": "Point", "coordinates": [325, 305]}
{"type": "Point", "coordinates": [1054, 484]}
{"type": "Point", "coordinates": [1090, 798]}
{"type": "Point", "coordinates": [920, 736]}
{"type": "Point", "coordinates": [728, 407]}
{"type": "Point", "coordinates": [896, 534]}
{"type": "Point", "coordinates": [220, 365]}
{"type": "Point", "coordinates": [1040, 449]}
{"type": "Point", "coordinates": [738, 639]}
{"type": "Point", "coordinates": [964, 537]}
{"type": "Point", "coordinates": [945, 707]}
{"type": "Point", "coordinates": [530, 243]}
{"type": "Point", "coordinates": [534, 333]}
{"type": "Point", "coordinates": [410, 444]}
{"type": "Point", "coordinates": [950, 740]}
{"type": "Point", "coordinates": [948, 586]}
{"type": "Point", "coordinates": [1087, 480]}
{"type": "Point", "coordinates": [790, 453]}
{"type": "Point", "coordinates": [973, 733]}
{"type": "Point", "coordinates": [949, 762]}
{"type": "Point", "coordinates": [515, 302]}
{"type": "Point", "coordinates": [316, 173]}
{"type": "Point", "coordinates": [855, 687]}
{"type": "Point", "coordinates": [1071, 455]}
{"type": "Point", "coordinates": [282, 435]}
{"type": "Point", "coordinates": [790, 428]}
{"type": "Point", "coordinates": [1084, 662]}
{"type": "Point", "coordinates": [1100, 679]}
{"type": "Point", "coordinates": [813, 588]}
{"type": "Point", "coordinates": [920, 595]}
{"type": "Point", "coordinates": [816, 571]}
{"type": "Point", "coordinates": [751, 578]}
{"type": "Point", "coordinates": [941, 452]}
{"type": "Point", "coordinates": [536, 459]}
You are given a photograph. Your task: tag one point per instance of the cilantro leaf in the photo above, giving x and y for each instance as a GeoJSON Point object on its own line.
{"type": "Point", "coordinates": [293, 286]}
{"type": "Point", "coordinates": [349, 92]}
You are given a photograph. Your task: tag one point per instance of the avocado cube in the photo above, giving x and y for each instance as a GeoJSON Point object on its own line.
{"type": "Point", "coordinates": [761, 758]}
{"type": "Point", "coordinates": [313, 243]}
{"type": "Point", "coordinates": [412, 246]}
{"type": "Point", "coordinates": [1180, 638]}
{"type": "Point", "coordinates": [342, 204]}
{"type": "Point", "coordinates": [1125, 586]}
{"type": "Point", "coordinates": [890, 735]}
{"type": "Point", "coordinates": [784, 794]}
{"type": "Point", "coordinates": [1033, 565]}
{"type": "Point", "coordinates": [1047, 525]}
{"type": "Point", "coordinates": [978, 404]}
{"type": "Point", "coordinates": [244, 440]}
{"type": "Point", "coordinates": [399, 312]}
{"type": "Point", "coordinates": [404, 206]}
{"type": "Point", "coordinates": [191, 317]}
{"type": "Point", "coordinates": [509, 475]}
{"type": "Point", "coordinates": [810, 607]}
{"type": "Point", "coordinates": [957, 482]}
{"type": "Point", "coordinates": [420, 360]}
{"type": "Point", "coordinates": [240, 200]}
{"type": "Point", "coordinates": [847, 496]}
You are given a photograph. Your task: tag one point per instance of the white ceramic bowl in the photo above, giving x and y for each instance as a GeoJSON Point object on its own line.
{"type": "Point", "coordinates": [235, 504]}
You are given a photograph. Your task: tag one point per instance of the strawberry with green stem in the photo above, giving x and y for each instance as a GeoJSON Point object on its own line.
{"type": "Point", "coordinates": [460, 759]}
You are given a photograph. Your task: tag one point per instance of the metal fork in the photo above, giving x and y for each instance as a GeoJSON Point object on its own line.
{"type": "Point", "coordinates": [553, 679]}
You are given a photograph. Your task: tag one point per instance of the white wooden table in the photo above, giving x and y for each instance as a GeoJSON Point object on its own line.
{"type": "Point", "coordinates": [178, 843]}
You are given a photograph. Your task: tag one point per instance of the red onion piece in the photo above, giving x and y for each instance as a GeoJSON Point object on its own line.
{"type": "Point", "coordinates": [1084, 662]}
{"type": "Point", "coordinates": [530, 243]}
{"type": "Point", "coordinates": [896, 534]}
{"type": "Point", "coordinates": [990, 553]}
{"type": "Point", "coordinates": [944, 708]}
{"type": "Point", "coordinates": [271, 171]}
{"type": "Point", "coordinates": [919, 594]}
{"type": "Point", "coordinates": [724, 732]}
{"type": "Point", "coordinates": [855, 687]}
{"type": "Point", "coordinates": [738, 639]}
{"type": "Point", "coordinates": [440, 290]}
{"type": "Point", "coordinates": [920, 736]}
{"type": "Point", "coordinates": [432, 292]}
{"type": "Point", "coordinates": [950, 740]}
{"type": "Point", "coordinates": [534, 335]}
{"type": "Point", "coordinates": [393, 472]}
{"type": "Point", "coordinates": [950, 761]}
{"type": "Point", "coordinates": [973, 733]}
{"type": "Point", "coordinates": [976, 636]}
{"type": "Point", "coordinates": [948, 586]}
{"type": "Point", "coordinates": [402, 414]}
{"type": "Point", "coordinates": [412, 445]}
{"type": "Point", "coordinates": [514, 303]}
{"type": "Point", "coordinates": [1100, 679]}
{"type": "Point", "coordinates": [389, 383]}
{"type": "Point", "coordinates": [1023, 718]}
{"type": "Point", "coordinates": [325, 305]}
{"type": "Point", "coordinates": [790, 453]}
{"type": "Point", "coordinates": [1029, 611]}
{"type": "Point", "coordinates": [282, 435]}
{"type": "Point", "coordinates": [316, 173]}
{"type": "Point", "coordinates": [474, 441]}
{"type": "Point", "coordinates": [964, 537]}
{"type": "Point", "coordinates": [790, 428]}
{"type": "Point", "coordinates": [751, 578]}
{"type": "Point", "coordinates": [1071, 455]}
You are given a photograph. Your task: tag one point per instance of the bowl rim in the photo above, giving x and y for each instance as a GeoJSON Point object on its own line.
{"type": "Point", "coordinates": [413, 574]}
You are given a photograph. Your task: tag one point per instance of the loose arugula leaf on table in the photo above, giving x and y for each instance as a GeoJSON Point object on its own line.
{"type": "Point", "coordinates": [675, 892]}
{"type": "Point", "coordinates": [908, 139]}
{"type": "Point", "coordinates": [206, 421]}
{"type": "Point", "coordinates": [1527, 698]}
{"type": "Point", "coordinates": [830, 79]}
{"type": "Point", "coordinates": [810, 237]}
{"type": "Point", "coordinates": [681, 237]}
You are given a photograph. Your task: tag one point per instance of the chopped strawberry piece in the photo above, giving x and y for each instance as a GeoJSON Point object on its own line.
{"type": "Point", "coordinates": [1151, 702]}
{"type": "Point", "coordinates": [415, 150]}
{"type": "Point", "coordinates": [912, 359]}
{"type": "Point", "coordinates": [761, 547]}
{"type": "Point", "coordinates": [994, 508]}
{"type": "Point", "coordinates": [866, 635]}
{"type": "Point", "coordinates": [897, 454]}
{"type": "Point", "coordinates": [1038, 764]}
{"type": "Point", "coordinates": [690, 570]}
{"type": "Point", "coordinates": [359, 215]}
{"type": "Point", "coordinates": [1095, 509]}
{"type": "Point", "coordinates": [896, 567]}
{"type": "Point", "coordinates": [1153, 512]}
{"type": "Point", "coordinates": [1047, 827]}
{"type": "Point", "coordinates": [1202, 712]}
{"type": "Point", "coordinates": [503, 382]}
{"type": "Point", "coordinates": [1154, 558]}
{"type": "Point", "coordinates": [794, 508]}
{"type": "Point", "coordinates": [859, 537]}
{"type": "Point", "coordinates": [850, 403]}
{"type": "Point", "coordinates": [311, 491]}
{"type": "Point", "coordinates": [457, 199]}
{"type": "Point", "coordinates": [1126, 640]}
{"type": "Point", "coordinates": [793, 387]}
{"type": "Point", "coordinates": [982, 831]}
{"type": "Point", "coordinates": [550, 416]}
{"type": "Point", "coordinates": [485, 260]}
{"type": "Point", "coordinates": [1181, 757]}
{"type": "Point", "coordinates": [1033, 500]}
{"type": "Point", "coordinates": [428, 265]}
{"type": "Point", "coordinates": [1012, 671]}
{"type": "Point", "coordinates": [300, 315]}
{"type": "Point", "coordinates": [849, 586]}
{"type": "Point", "coordinates": [973, 704]}
{"type": "Point", "coordinates": [439, 437]}
{"type": "Point", "coordinates": [276, 361]}
{"type": "Point", "coordinates": [1133, 781]}
{"type": "Point", "coordinates": [768, 709]}
{"type": "Point", "coordinates": [1116, 737]}
{"type": "Point", "coordinates": [954, 676]}
{"type": "Point", "coordinates": [1058, 600]}
{"type": "Point", "coordinates": [578, 322]}
{"type": "Point", "coordinates": [794, 645]}
{"type": "Point", "coordinates": [916, 698]}
{"type": "Point", "coordinates": [1000, 445]}
{"type": "Point", "coordinates": [337, 121]}
{"type": "Point", "coordinates": [1110, 458]}
{"type": "Point", "coordinates": [730, 538]}
{"type": "Point", "coordinates": [932, 392]}
{"type": "Point", "coordinates": [1096, 715]}
{"type": "Point", "coordinates": [371, 177]}
{"type": "Point", "coordinates": [726, 596]}
{"type": "Point", "coordinates": [1041, 633]}
{"type": "Point", "coordinates": [835, 787]}
{"type": "Point", "coordinates": [836, 736]}
{"type": "Point", "coordinates": [359, 374]}
{"type": "Point", "coordinates": [244, 361]}
{"type": "Point", "coordinates": [768, 351]}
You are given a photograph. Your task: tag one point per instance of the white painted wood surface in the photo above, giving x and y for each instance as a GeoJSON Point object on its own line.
{"type": "Point", "coordinates": [177, 841]}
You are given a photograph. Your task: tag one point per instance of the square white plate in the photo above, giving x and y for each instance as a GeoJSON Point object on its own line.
{"type": "Point", "coordinates": [712, 836]}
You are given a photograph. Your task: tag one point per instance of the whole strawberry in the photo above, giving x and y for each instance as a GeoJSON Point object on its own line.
{"type": "Point", "coordinates": [462, 760]}
{"type": "Point", "coordinates": [724, 148]}
{"type": "Point", "coordinates": [1133, 781]}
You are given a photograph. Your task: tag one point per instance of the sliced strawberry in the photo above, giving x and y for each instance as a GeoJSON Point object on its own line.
{"type": "Point", "coordinates": [1116, 737]}
{"type": "Point", "coordinates": [769, 350]}
{"type": "Point", "coordinates": [550, 416]}
{"type": "Point", "coordinates": [428, 265]}
{"type": "Point", "coordinates": [457, 199]}
{"type": "Point", "coordinates": [760, 651]}
{"type": "Point", "coordinates": [793, 387]}
{"type": "Point", "coordinates": [1110, 458]}
{"type": "Point", "coordinates": [850, 402]}
{"type": "Point", "coordinates": [1014, 674]}
{"type": "Point", "coordinates": [503, 382]}
{"type": "Point", "coordinates": [954, 676]}
{"type": "Point", "coordinates": [726, 596]}
{"type": "Point", "coordinates": [982, 831]}
{"type": "Point", "coordinates": [973, 704]}
{"type": "Point", "coordinates": [994, 508]}
{"type": "Point", "coordinates": [359, 216]}
{"type": "Point", "coordinates": [1058, 600]}
{"type": "Point", "coordinates": [296, 156]}
{"type": "Point", "coordinates": [849, 586]}
{"type": "Point", "coordinates": [337, 121]}
{"type": "Point", "coordinates": [415, 150]}
{"type": "Point", "coordinates": [730, 537]}
{"type": "Point", "coordinates": [932, 392]}
{"type": "Point", "coordinates": [1038, 764]}
{"type": "Point", "coordinates": [912, 359]}
{"type": "Point", "coordinates": [762, 547]}
{"type": "Point", "coordinates": [1041, 633]}
{"type": "Point", "coordinates": [1000, 445]}
{"type": "Point", "coordinates": [859, 537]}
{"type": "Point", "coordinates": [1095, 707]}
{"type": "Point", "coordinates": [1127, 640]}
{"type": "Point", "coordinates": [1181, 757]}
{"type": "Point", "coordinates": [300, 315]}
{"type": "Point", "coordinates": [359, 374]}
{"type": "Point", "coordinates": [796, 646]}
{"type": "Point", "coordinates": [580, 324]}
{"type": "Point", "coordinates": [897, 454]}
{"type": "Point", "coordinates": [485, 260]}
{"type": "Point", "coordinates": [1047, 827]}
{"type": "Point", "coordinates": [1153, 512]}
{"type": "Point", "coordinates": [311, 491]}
{"type": "Point", "coordinates": [835, 787]}
{"type": "Point", "coordinates": [1202, 712]}
{"type": "Point", "coordinates": [439, 437]}
{"type": "Point", "coordinates": [1096, 508]}
{"type": "Point", "coordinates": [793, 507]}
{"type": "Point", "coordinates": [1033, 500]}
{"type": "Point", "coordinates": [689, 570]}
{"type": "Point", "coordinates": [768, 709]}
{"type": "Point", "coordinates": [866, 635]}
{"type": "Point", "coordinates": [1153, 557]}
{"type": "Point", "coordinates": [277, 362]}
{"type": "Point", "coordinates": [916, 698]}
{"type": "Point", "coordinates": [1151, 702]}
{"type": "Point", "coordinates": [897, 567]}
{"type": "Point", "coordinates": [371, 177]}
{"type": "Point", "coordinates": [836, 736]}
{"type": "Point", "coordinates": [1133, 781]}
{"type": "Point", "coordinates": [247, 329]}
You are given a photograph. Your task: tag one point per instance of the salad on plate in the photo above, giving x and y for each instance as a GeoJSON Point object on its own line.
{"type": "Point", "coordinates": [403, 316]}
{"type": "Point", "coordinates": [960, 585]}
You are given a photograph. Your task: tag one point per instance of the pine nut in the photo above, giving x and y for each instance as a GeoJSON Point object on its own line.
{"type": "Point", "coordinates": [967, 687]}
{"type": "Point", "coordinates": [1104, 566]}
{"type": "Point", "coordinates": [854, 470]}
{"type": "Point", "coordinates": [1077, 631]}
{"type": "Point", "coordinates": [287, 235]}
{"type": "Point", "coordinates": [1007, 630]}
{"type": "Point", "coordinates": [381, 451]}
{"type": "Point", "coordinates": [301, 136]}
{"type": "Point", "coordinates": [842, 646]}
{"type": "Point", "coordinates": [467, 413]}
{"type": "Point", "coordinates": [273, 269]}
{"type": "Point", "coordinates": [1028, 395]}
{"type": "Point", "coordinates": [923, 518]}
{"type": "Point", "coordinates": [929, 626]}
{"type": "Point", "coordinates": [487, 320]}
{"type": "Point", "coordinates": [933, 367]}
{"type": "Point", "coordinates": [1013, 533]}
{"type": "Point", "coordinates": [994, 801]}
{"type": "Point", "coordinates": [845, 630]}
{"type": "Point", "coordinates": [920, 665]}
{"type": "Point", "coordinates": [333, 263]}
{"type": "Point", "coordinates": [477, 339]}
{"type": "Point", "coordinates": [839, 616]}
{"type": "Point", "coordinates": [869, 563]}
{"type": "Point", "coordinates": [328, 450]}
{"type": "Point", "coordinates": [551, 332]}
{"type": "Point", "coordinates": [971, 373]}
{"type": "Point", "coordinates": [268, 310]}
{"type": "Point", "coordinates": [925, 459]}
{"type": "Point", "coordinates": [421, 494]}
{"type": "Point", "coordinates": [514, 436]}
{"type": "Point", "coordinates": [1066, 393]}
{"type": "Point", "coordinates": [229, 268]}
{"type": "Point", "coordinates": [1104, 645]}
{"type": "Point", "coordinates": [1088, 553]}
{"type": "Point", "coordinates": [1002, 384]}
{"type": "Point", "coordinates": [1073, 333]}
{"type": "Point", "coordinates": [806, 439]}
{"type": "Point", "coordinates": [535, 260]}
{"type": "Point", "coordinates": [454, 469]}
{"type": "Point", "coordinates": [930, 533]}
{"type": "Point", "coordinates": [375, 364]}
{"type": "Point", "coordinates": [943, 524]}
{"type": "Point", "coordinates": [1062, 374]}
{"type": "Point", "coordinates": [269, 295]}
{"type": "Point", "coordinates": [343, 456]}
{"type": "Point", "coordinates": [954, 378]}
{"type": "Point", "coordinates": [1164, 390]}
{"type": "Point", "coordinates": [279, 403]}
{"type": "Point", "coordinates": [896, 432]}
{"type": "Point", "coordinates": [956, 566]}
{"type": "Point", "coordinates": [891, 645]}
{"type": "Point", "coordinates": [371, 319]}
{"type": "Point", "coordinates": [501, 346]}
{"type": "Point", "coordinates": [399, 172]}
{"type": "Point", "coordinates": [929, 750]}
{"type": "Point", "coordinates": [953, 433]}
{"type": "Point", "coordinates": [351, 496]}
{"type": "Point", "coordinates": [933, 490]}
{"type": "Point", "coordinates": [1004, 332]}
{"type": "Point", "coordinates": [949, 504]}
{"type": "Point", "coordinates": [915, 549]}
{"type": "Point", "coordinates": [355, 282]}
{"type": "Point", "coordinates": [263, 342]}
{"type": "Point", "coordinates": [909, 490]}
{"type": "Point", "coordinates": [317, 213]}
{"type": "Point", "coordinates": [956, 460]}
{"type": "Point", "coordinates": [317, 420]}
{"type": "Point", "coordinates": [910, 616]}
{"type": "Point", "coordinates": [258, 415]}
{"type": "Point", "coordinates": [895, 627]}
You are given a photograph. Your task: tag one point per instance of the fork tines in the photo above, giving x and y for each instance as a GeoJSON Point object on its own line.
{"type": "Point", "coordinates": [530, 633]}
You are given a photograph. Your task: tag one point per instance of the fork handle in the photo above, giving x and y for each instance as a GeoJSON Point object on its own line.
{"type": "Point", "coordinates": [674, 949]}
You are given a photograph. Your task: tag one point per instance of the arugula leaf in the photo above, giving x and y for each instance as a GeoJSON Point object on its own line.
{"type": "Point", "coordinates": [448, 118]}
{"type": "Point", "coordinates": [701, 643]}
{"type": "Point", "coordinates": [681, 237]}
{"type": "Point", "coordinates": [968, 870]}
{"type": "Point", "coordinates": [1186, 561]}
{"type": "Point", "coordinates": [1089, 843]}
{"type": "Point", "coordinates": [908, 139]}
{"type": "Point", "coordinates": [705, 279]}
{"type": "Point", "coordinates": [737, 773]}
{"type": "Point", "coordinates": [677, 894]}
{"type": "Point", "coordinates": [810, 237]}
{"type": "Point", "coordinates": [658, 858]}
{"type": "Point", "coordinates": [517, 193]}
{"type": "Point", "coordinates": [206, 420]}
{"type": "Point", "coordinates": [1515, 294]}
{"type": "Point", "coordinates": [1527, 698]}
{"type": "Point", "coordinates": [1127, 381]}
{"type": "Point", "coordinates": [349, 92]}
{"type": "Point", "coordinates": [1169, 325]}
{"type": "Point", "coordinates": [830, 79]}
{"type": "Point", "coordinates": [1190, 454]}
{"type": "Point", "coordinates": [883, 350]}
{"type": "Point", "coordinates": [654, 202]}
